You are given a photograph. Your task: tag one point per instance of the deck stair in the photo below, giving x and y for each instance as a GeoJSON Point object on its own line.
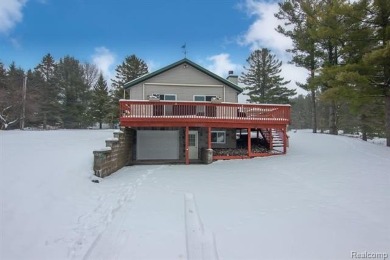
{"type": "Point", "coordinates": [275, 138]}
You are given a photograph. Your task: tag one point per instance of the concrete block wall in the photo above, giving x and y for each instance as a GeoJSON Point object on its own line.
{"type": "Point", "coordinates": [116, 154]}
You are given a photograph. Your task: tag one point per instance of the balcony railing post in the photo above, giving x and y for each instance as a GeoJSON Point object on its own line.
{"type": "Point", "coordinates": [187, 140]}
{"type": "Point", "coordinates": [249, 142]}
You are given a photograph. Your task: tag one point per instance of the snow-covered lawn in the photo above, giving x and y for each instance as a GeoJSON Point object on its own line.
{"type": "Point", "coordinates": [327, 198]}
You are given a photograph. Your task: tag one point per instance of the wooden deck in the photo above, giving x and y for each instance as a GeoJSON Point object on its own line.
{"type": "Point", "coordinates": [144, 113]}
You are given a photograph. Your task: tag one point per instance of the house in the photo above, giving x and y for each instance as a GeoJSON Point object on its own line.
{"type": "Point", "coordinates": [183, 113]}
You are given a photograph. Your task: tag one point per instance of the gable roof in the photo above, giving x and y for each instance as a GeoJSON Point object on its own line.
{"type": "Point", "coordinates": [178, 63]}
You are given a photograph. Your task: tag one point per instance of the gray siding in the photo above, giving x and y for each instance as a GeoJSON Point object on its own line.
{"type": "Point", "coordinates": [184, 75]}
{"type": "Point", "coordinates": [184, 93]}
{"type": "Point", "coordinates": [136, 92]}
{"type": "Point", "coordinates": [231, 95]}
{"type": "Point", "coordinates": [185, 82]}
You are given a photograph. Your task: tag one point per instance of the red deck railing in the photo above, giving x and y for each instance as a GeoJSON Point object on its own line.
{"type": "Point", "coordinates": [175, 113]}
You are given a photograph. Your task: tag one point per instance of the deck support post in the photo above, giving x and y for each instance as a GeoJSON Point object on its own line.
{"type": "Point", "coordinates": [186, 145]}
{"type": "Point", "coordinates": [249, 142]}
{"type": "Point", "coordinates": [271, 145]}
{"type": "Point", "coordinates": [284, 140]}
{"type": "Point", "coordinates": [209, 138]}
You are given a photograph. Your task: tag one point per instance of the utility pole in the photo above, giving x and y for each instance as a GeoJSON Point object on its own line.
{"type": "Point", "coordinates": [23, 115]}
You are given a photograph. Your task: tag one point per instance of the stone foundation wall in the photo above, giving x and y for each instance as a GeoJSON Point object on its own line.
{"type": "Point", "coordinates": [116, 154]}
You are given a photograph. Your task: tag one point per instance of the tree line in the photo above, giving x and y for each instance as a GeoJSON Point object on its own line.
{"type": "Point", "coordinates": [70, 94]}
{"type": "Point", "coordinates": [63, 94]}
{"type": "Point", "coordinates": [345, 48]}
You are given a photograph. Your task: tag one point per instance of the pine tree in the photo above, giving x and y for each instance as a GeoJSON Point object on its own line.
{"type": "Point", "coordinates": [350, 85]}
{"type": "Point", "coordinates": [33, 98]}
{"type": "Point", "coordinates": [262, 79]}
{"type": "Point", "coordinates": [332, 36]}
{"type": "Point", "coordinates": [379, 57]}
{"type": "Point", "coordinates": [7, 116]}
{"type": "Point", "coordinates": [300, 25]}
{"type": "Point", "coordinates": [99, 108]}
{"type": "Point", "coordinates": [45, 79]}
{"type": "Point", "coordinates": [131, 68]}
{"type": "Point", "coordinates": [75, 94]}
{"type": "Point", "coordinates": [301, 112]}
{"type": "Point", "coordinates": [356, 78]}
{"type": "Point", "coordinates": [11, 100]}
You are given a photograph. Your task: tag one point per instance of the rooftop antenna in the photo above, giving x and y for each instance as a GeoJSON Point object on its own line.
{"type": "Point", "coordinates": [184, 47]}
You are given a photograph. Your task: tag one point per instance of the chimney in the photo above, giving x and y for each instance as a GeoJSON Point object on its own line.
{"type": "Point", "coordinates": [232, 78]}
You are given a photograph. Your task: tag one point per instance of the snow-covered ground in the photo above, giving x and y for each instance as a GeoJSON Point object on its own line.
{"type": "Point", "coordinates": [327, 198]}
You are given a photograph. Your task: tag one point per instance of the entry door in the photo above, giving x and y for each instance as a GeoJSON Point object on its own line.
{"type": "Point", "coordinates": [193, 145]}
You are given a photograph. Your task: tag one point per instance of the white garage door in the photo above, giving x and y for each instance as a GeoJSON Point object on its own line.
{"type": "Point", "coordinates": [157, 145]}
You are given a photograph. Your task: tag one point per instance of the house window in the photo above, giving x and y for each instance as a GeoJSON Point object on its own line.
{"type": "Point", "coordinates": [166, 96]}
{"type": "Point", "coordinates": [203, 98]}
{"type": "Point", "coordinates": [218, 137]}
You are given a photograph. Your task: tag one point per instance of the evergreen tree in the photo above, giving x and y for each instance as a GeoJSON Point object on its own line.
{"type": "Point", "coordinates": [300, 24]}
{"type": "Point", "coordinates": [350, 86]}
{"type": "Point", "coordinates": [45, 78]}
{"type": "Point", "coordinates": [75, 94]}
{"type": "Point", "coordinates": [99, 108]}
{"type": "Point", "coordinates": [11, 98]}
{"type": "Point", "coordinates": [301, 112]}
{"type": "Point", "coordinates": [3, 79]}
{"type": "Point", "coordinates": [353, 82]}
{"type": "Point", "coordinates": [379, 57]}
{"type": "Point", "coordinates": [6, 115]}
{"type": "Point", "coordinates": [330, 37]}
{"type": "Point", "coordinates": [262, 79]}
{"type": "Point", "coordinates": [131, 68]}
{"type": "Point", "coordinates": [331, 34]}
{"type": "Point", "coordinates": [33, 98]}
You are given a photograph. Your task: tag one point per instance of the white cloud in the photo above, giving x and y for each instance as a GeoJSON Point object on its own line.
{"type": "Point", "coordinates": [262, 33]}
{"type": "Point", "coordinates": [10, 14]}
{"type": "Point", "coordinates": [104, 59]}
{"type": "Point", "coordinates": [295, 74]}
{"type": "Point", "coordinates": [221, 64]}
{"type": "Point", "coordinates": [152, 65]}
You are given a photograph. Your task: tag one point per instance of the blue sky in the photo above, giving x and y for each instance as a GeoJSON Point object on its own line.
{"type": "Point", "coordinates": [219, 34]}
